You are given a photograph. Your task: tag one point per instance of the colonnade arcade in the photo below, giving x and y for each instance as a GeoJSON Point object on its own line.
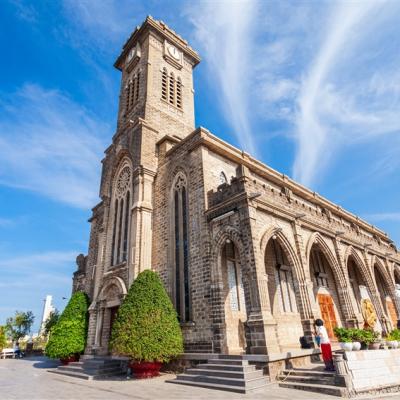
{"type": "Point", "coordinates": [328, 284]}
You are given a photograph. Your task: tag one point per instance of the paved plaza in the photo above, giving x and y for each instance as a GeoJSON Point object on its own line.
{"type": "Point", "coordinates": [29, 379]}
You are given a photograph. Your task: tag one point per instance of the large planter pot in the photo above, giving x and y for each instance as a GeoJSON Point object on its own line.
{"type": "Point", "coordinates": [67, 360]}
{"type": "Point", "coordinates": [346, 346]}
{"type": "Point", "coordinates": [144, 369]}
{"type": "Point", "coordinates": [356, 346]}
{"type": "Point", "coordinates": [374, 346]}
{"type": "Point", "coordinates": [393, 344]}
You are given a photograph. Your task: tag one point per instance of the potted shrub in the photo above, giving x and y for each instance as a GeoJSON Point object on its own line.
{"type": "Point", "coordinates": [67, 338]}
{"type": "Point", "coordinates": [344, 338]}
{"type": "Point", "coordinates": [371, 339]}
{"type": "Point", "coordinates": [356, 337]}
{"type": "Point", "coordinates": [146, 327]}
{"type": "Point", "coordinates": [391, 340]}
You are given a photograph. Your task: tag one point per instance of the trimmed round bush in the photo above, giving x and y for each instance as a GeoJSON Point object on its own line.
{"type": "Point", "coordinates": [146, 327]}
{"type": "Point", "coordinates": [68, 335]}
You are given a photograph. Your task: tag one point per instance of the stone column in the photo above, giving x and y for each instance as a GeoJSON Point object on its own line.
{"type": "Point", "coordinates": [349, 313]}
{"type": "Point", "coordinates": [141, 235]}
{"type": "Point", "coordinates": [305, 287]}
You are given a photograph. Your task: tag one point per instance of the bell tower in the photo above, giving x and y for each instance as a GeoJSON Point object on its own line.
{"type": "Point", "coordinates": [156, 100]}
{"type": "Point", "coordinates": [157, 80]}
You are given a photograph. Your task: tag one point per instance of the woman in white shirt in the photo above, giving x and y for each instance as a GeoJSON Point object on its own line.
{"type": "Point", "coordinates": [325, 344]}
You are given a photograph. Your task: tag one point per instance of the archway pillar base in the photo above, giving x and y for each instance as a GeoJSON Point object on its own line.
{"type": "Point", "coordinates": [308, 329]}
{"type": "Point", "coordinates": [261, 334]}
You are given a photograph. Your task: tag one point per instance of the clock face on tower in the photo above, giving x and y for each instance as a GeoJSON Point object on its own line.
{"type": "Point", "coordinates": [174, 52]}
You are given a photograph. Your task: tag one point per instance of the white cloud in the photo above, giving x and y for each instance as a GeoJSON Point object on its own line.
{"type": "Point", "coordinates": [349, 94]}
{"type": "Point", "coordinates": [50, 145]}
{"type": "Point", "coordinates": [224, 32]}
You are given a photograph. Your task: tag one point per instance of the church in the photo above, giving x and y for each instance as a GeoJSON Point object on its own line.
{"type": "Point", "coordinates": [249, 257]}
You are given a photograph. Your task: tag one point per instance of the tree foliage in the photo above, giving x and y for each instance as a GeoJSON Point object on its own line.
{"type": "Point", "coordinates": [19, 325]}
{"type": "Point", "coordinates": [146, 327]}
{"type": "Point", "coordinates": [3, 338]}
{"type": "Point", "coordinates": [51, 321]}
{"type": "Point", "coordinates": [68, 335]}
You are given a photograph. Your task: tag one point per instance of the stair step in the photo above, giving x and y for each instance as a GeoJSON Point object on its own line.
{"type": "Point", "coordinates": [224, 367]}
{"type": "Point", "coordinates": [230, 357]}
{"type": "Point", "coordinates": [310, 372]}
{"type": "Point", "coordinates": [312, 387]}
{"type": "Point", "coordinates": [225, 374]}
{"type": "Point", "coordinates": [308, 379]}
{"type": "Point", "coordinates": [245, 383]}
{"type": "Point", "coordinates": [73, 374]}
{"type": "Point", "coordinates": [224, 361]}
{"type": "Point", "coordinates": [226, 388]}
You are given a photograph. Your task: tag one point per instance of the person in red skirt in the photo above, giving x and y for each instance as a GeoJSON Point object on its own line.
{"type": "Point", "coordinates": [325, 343]}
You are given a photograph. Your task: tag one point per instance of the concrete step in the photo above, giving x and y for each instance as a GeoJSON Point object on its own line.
{"type": "Point", "coordinates": [230, 356]}
{"type": "Point", "coordinates": [312, 387]}
{"type": "Point", "coordinates": [226, 388]}
{"type": "Point", "coordinates": [225, 361]}
{"type": "Point", "coordinates": [301, 371]}
{"type": "Point", "coordinates": [225, 367]}
{"type": "Point", "coordinates": [83, 375]}
{"type": "Point", "coordinates": [225, 374]}
{"type": "Point", "coordinates": [308, 379]}
{"type": "Point", "coordinates": [245, 383]}
{"type": "Point", "coordinates": [89, 371]}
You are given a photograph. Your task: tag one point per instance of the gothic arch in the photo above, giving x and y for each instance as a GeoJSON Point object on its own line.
{"type": "Point", "coordinates": [351, 251]}
{"type": "Point", "coordinates": [123, 157]}
{"type": "Point", "coordinates": [116, 282]}
{"type": "Point", "coordinates": [316, 238]}
{"type": "Point", "coordinates": [226, 233]}
{"type": "Point", "coordinates": [377, 263]}
{"type": "Point", "coordinates": [286, 246]}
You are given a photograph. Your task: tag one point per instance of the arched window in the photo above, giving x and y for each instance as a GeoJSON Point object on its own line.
{"type": "Point", "coordinates": [164, 85]}
{"type": "Point", "coordinates": [283, 279]}
{"type": "Point", "coordinates": [122, 199]}
{"type": "Point", "coordinates": [233, 270]}
{"type": "Point", "coordinates": [182, 285]}
{"type": "Point", "coordinates": [172, 89]}
{"type": "Point", "coordinates": [179, 93]}
{"type": "Point", "coordinates": [137, 83]}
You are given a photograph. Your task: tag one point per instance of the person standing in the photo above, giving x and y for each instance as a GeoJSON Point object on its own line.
{"type": "Point", "coordinates": [325, 343]}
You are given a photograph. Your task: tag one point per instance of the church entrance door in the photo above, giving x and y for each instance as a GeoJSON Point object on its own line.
{"type": "Point", "coordinates": [327, 308]}
{"type": "Point", "coordinates": [392, 312]}
{"type": "Point", "coordinates": [113, 315]}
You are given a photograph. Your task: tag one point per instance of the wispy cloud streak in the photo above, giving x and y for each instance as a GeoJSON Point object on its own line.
{"type": "Point", "coordinates": [313, 135]}
{"type": "Point", "coordinates": [50, 145]}
{"type": "Point", "coordinates": [224, 31]}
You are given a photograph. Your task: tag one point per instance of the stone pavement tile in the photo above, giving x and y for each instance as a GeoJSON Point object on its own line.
{"type": "Point", "coordinates": [28, 379]}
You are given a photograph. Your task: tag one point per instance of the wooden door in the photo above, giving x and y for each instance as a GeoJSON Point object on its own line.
{"type": "Point", "coordinates": [392, 312]}
{"type": "Point", "coordinates": [325, 302]}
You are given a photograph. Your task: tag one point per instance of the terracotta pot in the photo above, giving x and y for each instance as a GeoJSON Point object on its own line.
{"type": "Point", "coordinates": [145, 369]}
{"type": "Point", "coordinates": [374, 346]}
{"type": "Point", "coordinates": [67, 360]}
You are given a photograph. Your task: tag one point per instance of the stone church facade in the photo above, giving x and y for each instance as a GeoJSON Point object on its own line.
{"type": "Point", "coordinates": [249, 257]}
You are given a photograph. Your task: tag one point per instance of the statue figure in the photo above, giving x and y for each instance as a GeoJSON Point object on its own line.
{"type": "Point", "coordinates": [81, 263]}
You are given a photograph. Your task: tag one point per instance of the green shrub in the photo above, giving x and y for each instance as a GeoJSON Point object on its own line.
{"type": "Point", "coordinates": [68, 335]}
{"type": "Point", "coordinates": [3, 338]}
{"type": "Point", "coordinates": [343, 335]}
{"type": "Point", "coordinates": [146, 326]}
{"type": "Point", "coordinates": [395, 334]}
{"type": "Point", "coordinates": [370, 336]}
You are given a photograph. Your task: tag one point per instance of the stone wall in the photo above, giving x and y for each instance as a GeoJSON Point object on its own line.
{"type": "Point", "coordinates": [373, 369]}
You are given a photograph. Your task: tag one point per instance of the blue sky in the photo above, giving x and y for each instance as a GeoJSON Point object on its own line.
{"type": "Point", "coordinates": [310, 88]}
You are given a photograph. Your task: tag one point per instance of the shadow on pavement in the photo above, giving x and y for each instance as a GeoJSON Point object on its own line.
{"type": "Point", "coordinates": [43, 362]}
